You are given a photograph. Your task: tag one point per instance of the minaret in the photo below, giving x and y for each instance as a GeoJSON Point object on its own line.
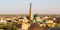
{"type": "Point", "coordinates": [30, 13]}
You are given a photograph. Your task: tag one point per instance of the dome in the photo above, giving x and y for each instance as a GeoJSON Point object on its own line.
{"type": "Point", "coordinates": [36, 15]}
{"type": "Point", "coordinates": [35, 26]}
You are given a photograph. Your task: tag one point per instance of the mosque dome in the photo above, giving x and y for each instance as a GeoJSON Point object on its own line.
{"type": "Point", "coordinates": [36, 15]}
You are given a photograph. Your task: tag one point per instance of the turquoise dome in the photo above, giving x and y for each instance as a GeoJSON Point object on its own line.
{"type": "Point", "coordinates": [36, 15]}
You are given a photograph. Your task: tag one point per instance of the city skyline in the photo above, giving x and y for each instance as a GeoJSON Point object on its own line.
{"type": "Point", "coordinates": [23, 6]}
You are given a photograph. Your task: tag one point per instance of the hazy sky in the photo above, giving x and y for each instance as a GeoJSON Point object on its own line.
{"type": "Point", "coordinates": [22, 6]}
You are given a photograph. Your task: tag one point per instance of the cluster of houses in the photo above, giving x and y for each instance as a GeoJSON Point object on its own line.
{"type": "Point", "coordinates": [26, 21]}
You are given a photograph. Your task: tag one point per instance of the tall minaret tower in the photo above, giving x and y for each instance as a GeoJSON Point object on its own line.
{"type": "Point", "coordinates": [30, 13]}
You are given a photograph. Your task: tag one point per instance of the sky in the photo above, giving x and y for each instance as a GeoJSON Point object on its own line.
{"type": "Point", "coordinates": [23, 6]}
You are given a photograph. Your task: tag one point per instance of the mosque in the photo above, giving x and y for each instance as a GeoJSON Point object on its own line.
{"type": "Point", "coordinates": [31, 19]}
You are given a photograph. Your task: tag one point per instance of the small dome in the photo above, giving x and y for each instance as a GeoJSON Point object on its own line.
{"type": "Point", "coordinates": [36, 15]}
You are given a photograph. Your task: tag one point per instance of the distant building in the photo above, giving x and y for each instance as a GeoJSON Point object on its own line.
{"type": "Point", "coordinates": [30, 13]}
{"type": "Point", "coordinates": [36, 26]}
{"type": "Point", "coordinates": [37, 17]}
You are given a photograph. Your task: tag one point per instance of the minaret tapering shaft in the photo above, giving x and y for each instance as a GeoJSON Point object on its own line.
{"type": "Point", "coordinates": [30, 13]}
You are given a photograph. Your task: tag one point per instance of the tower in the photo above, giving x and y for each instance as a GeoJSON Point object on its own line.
{"type": "Point", "coordinates": [30, 13]}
